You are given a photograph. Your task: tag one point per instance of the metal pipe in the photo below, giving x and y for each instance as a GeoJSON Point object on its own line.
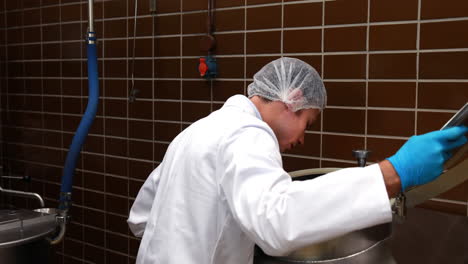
{"type": "Point", "coordinates": [91, 15]}
{"type": "Point", "coordinates": [24, 194]}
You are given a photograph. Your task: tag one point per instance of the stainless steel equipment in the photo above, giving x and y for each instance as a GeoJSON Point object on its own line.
{"type": "Point", "coordinates": [23, 236]}
{"type": "Point", "coordinates": [373, 244]}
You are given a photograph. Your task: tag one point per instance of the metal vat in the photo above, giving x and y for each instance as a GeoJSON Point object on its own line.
{"type": "Point", "coordinates": [23, 236]}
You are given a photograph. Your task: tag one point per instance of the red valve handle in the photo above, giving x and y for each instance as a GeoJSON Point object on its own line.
{"type": "Point", "coordinates": [202, 67]}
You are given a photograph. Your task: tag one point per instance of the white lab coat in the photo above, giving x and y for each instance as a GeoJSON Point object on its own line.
{"type": "Point", "coordinates": [221, 188]}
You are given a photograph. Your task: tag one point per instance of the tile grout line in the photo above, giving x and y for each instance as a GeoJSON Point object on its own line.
{"type": "Point", "coordinates": [104, 155]}
{"type": "Point", "coordinates": [82, 94]}
{"type": "Point", "coordinates": [245, 47]}
{"type": "Point", "coordinates": [61, 99]}
{"type": "Point", "coordinates": [282, 29]}
{"type": "Point", "coordinates": [322, 73]}
{"type": "Point", "coordinates": [181, 74]}
{"type": "Point", "coordinates": [366, 113]}
{"type": "Point", "coordinates": [418, 46]}
{"type": "Point", "coordinates": [127, 84]}
{"type": "Point", "coordinates": [432, 20]}
{"type": "Point", "coordinates": [42, 93]}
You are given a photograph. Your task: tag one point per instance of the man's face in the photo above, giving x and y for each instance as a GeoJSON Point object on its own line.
{"type": "Point", "coordinates": [290, 127]}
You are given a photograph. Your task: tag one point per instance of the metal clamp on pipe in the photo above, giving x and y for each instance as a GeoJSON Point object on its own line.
{"type": "Point", "coordinates": [399, 207]}
{"type": "Point", "coordinates": [91, 38]}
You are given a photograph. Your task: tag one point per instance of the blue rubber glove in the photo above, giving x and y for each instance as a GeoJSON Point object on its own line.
{"type": "Point", "coordinates": [421, 159]}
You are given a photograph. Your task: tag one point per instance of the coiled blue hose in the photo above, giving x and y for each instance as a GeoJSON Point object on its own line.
{"type": "Point", "coordinates": [85, 124]}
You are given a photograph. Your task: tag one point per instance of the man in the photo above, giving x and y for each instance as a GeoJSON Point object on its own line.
{"type": "Point", "coordinates": [221, 187]}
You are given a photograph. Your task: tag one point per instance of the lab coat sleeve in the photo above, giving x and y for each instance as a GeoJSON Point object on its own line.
{"type": "Point", "coordinates": [280, 215]}
{"type": "Point", "coordinates": [141, 208]}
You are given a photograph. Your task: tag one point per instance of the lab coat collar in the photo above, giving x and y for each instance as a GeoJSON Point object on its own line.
{"type": "Point", "coordinates": [244, 104]}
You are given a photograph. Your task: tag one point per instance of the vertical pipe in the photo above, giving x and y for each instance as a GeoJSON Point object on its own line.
{"type": "Point", "coordinates": [91, 15]}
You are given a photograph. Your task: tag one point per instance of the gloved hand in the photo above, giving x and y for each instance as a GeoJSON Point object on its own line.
{"type": "Point", "coordinates": [421, 159]}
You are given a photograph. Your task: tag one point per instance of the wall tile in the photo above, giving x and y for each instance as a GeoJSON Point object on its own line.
{"type": "Point", "coordinates": [144, 26]}
{"type": "Point", "coordinates": [139, 169]}
{"type": "Point", "coordinates": [391, 123]}
{"type": "Point", "coordinates": [341, 147]}
{"type": "Point", "coordinates": [393, 37]}
{"type": "Point", "coordinates": [141, 129]}
{"type": "Point", "coordinates": [192, 47]}
{"type": "Point", "coordinates": [430, 121]}
{"type": "Point", "coordinates": [254, 64]}
{"type": "Point", "coordinates": [167, 68]}
{"type": "Point", "coordinates": [167, 111]}
{"type": "Point", "coordinates": [167, 6]}
{"type": "Point", "coordinates": [344, 121]}
{"type": "Point", "coordinates": [191, 112]}
{"type": "Point", "coordinates": [50, 15]}
{"type": "Point", "coordinates": [196, 90]}
{"type": "Point", "coordinates": [433, 9]}
{"type": "Point", "coordinates": [32, 17]}
{"type": "Point", "coordinates": [68, 13]}
{"type": "Point", "coordinates": [264, 42]}
{"type": "Point", "coordinates": [227, 44]}
{"type": "Point", "coordinates": [264, 17]}
{"type": "Point", "coordinates": [117, 186]}
{"type": "Point", "coordinates": [190, 67]}
{"type": "Point", "coordinates": [392, 66]}
{"type": "Point", "coordinates": [442, 95]}
{"type": "Point", "coordinates": [115, 8]}
{"type": "Point", "coordinates": [444, 35]}
{"type": "Point", "coordinates": [230, 68]}
{"type": "Point", "coordinates": [393, 10]}
{"type": "Point", "coordinates": [116, 127]}
{"type": "Point", "coordinates": [143, 47]}
{"type": "Point", "coordinates": [166, 47]}
{"type": "Point", "coordinates": [257, 2]}
{"type": "Point", "coordinates": [392, 94]}
{"type": "Point", "coordinates": [430, 65]}
{"type": "Point", "coordinates": [227, 20]}
{"type": "Point", "coordinates": [141, 110]}
{"type": "Point", "coordinates": [71, 31]}
{"type": "Point", "coordinates": [345, 66]}
{"type": "Point", "coordinates": [297, 41]}
{"type": "Point", "coordinates": [303, 15]}
{"type": "Point", "coordinates": [382, 148]}
{"type": "Point", "coordinates": [194, 23]}
{"type": "Point", "coordinates": [345, 12]}
{"type": "Point", "coordinates": [346, 94]}
{"type": "Point", "coordinates": [222, 90]}
{"type": "Point", "coordinates": [167, 89]}
{"type": "Point", "coordinates": [345, 39]}
{"type": "Point", "coordinates": [165, 131]}
{"type": "Point", "coordinates": [167, 25]}
{"type": "Point", "coordinates": [192, 5]}
{"type": "Point", "coordinates": [294, 163]}
{"type": "Point", "coordinates": [117, 166]}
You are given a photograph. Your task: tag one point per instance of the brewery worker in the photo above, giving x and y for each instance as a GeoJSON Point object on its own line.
{"type": "Point", "coordinates": [221, 187]}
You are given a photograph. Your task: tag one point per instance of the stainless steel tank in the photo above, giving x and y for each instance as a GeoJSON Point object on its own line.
{"type": "Point", "coordinates": [364, 246]}
{"type": "Point", "coordinates": [370, 245]}
{"type": "Point", "coordinates": [23, 236]}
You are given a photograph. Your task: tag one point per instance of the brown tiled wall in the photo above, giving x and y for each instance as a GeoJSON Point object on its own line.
{"type": "Point", "coordinates": [392, 69]}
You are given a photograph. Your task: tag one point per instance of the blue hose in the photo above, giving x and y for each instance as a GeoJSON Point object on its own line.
{"type": "Point", "coordinates": [83, 128]}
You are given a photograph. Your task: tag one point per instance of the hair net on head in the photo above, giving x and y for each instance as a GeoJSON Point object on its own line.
{"type": "Point", "coordinates": [291, 81]}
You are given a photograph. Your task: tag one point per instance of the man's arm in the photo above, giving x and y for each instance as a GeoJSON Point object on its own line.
{"type": "Point", "coordinates": [391, 178]}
